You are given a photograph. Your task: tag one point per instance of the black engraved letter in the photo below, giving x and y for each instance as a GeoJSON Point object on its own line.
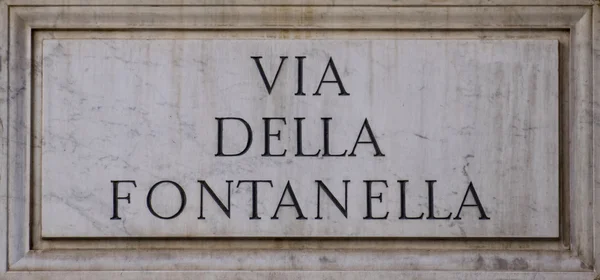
{"type": "Point", "coordinates": [370, 198]}
{"type": "Point", "coordinates": [326, 140]}
{"type": "Point", "coordinates": [299, 152]}
{"type": "Point", "coordinates": [288, 188]}
{"type": "Point", "coordinates": [336, 202]}
{"type": "Point", "coordinates": [366, 126]}
{"type": "Point", "coordinates": [220, 137]}
{"type": "Point", "coordinates": [254, 195]}
{"type": "Point", "coordinates": [300, 78]}
{"type": "Point", "coordinates": [268, 135]}
{"type": "Point", "coordinates": [431, 215]}
{"type": "Point", "coordinates": [149, 200]}
{"type": "Point", "coordinates": [204, 185]}
{"type": "Point", "coordinates": [337, 80]}
{"type": "Point", "coordinates": [268, 85]}
{"type": "Point", "coordinates": [477, 203]}
{"type": "Point", "coordinates": [116, 198]}
{"type": "Point", "coordinates": [403, 215]}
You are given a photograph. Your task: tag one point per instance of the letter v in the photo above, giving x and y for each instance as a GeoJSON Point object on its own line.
{"type": "Point", "coordinates": [262, 72]}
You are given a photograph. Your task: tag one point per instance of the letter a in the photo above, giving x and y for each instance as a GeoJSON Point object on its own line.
{"type": "Point", "coordinates": [477, 203]}
{"type": "Point", "coordinates": [338, 80]}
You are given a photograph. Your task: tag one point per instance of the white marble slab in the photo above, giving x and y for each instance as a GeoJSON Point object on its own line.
{"type": "Point", "coordinates": [454, 111]}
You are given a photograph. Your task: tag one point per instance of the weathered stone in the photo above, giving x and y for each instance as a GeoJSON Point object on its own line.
{"type": "Point", "coordinates": [166, 114]}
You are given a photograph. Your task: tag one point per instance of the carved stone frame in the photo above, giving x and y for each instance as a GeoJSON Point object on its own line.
{"type": "Point", "coordinates": [575, 255]}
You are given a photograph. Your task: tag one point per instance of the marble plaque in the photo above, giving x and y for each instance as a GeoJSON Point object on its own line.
{"type": "Point", "coordinates": [299, 138]}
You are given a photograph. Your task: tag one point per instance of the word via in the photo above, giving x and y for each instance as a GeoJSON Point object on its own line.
{"type": "Point", "coordinates": [300, 80]}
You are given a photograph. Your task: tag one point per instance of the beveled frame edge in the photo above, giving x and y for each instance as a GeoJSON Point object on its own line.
{"type": "Point", "coordinates": [584, 224]}
{"type": "Point", "coordinates": [3, 136]}
{"type": "Point", "coordinates": [199, 243]}
{"type": "Point", "coordinates": [596, 133]}
{"type": "Point", "coordinates": [395, 3]}
{"type": "Point", "coordinates": [581, 165]}
{"type": "Point", "coordinates": [560, 242]}
{"type": "Point", "coordinates": [312, 275]}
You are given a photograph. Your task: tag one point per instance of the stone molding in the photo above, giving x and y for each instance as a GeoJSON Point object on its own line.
{"type": "Point", "coordinates": [575, 255]}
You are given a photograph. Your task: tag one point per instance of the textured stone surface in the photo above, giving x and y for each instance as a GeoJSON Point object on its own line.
{"type": "Point", "coordinates": [454, 111]}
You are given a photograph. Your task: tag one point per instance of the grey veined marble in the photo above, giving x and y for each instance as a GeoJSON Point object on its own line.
{"type": "Point", "coordinates": [364, 138]}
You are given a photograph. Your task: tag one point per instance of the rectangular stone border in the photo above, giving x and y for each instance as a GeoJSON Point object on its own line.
{"type": "Point", "coordinates": [18, 20]}
{"type": "Point", "coordinates": [398, 243]}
